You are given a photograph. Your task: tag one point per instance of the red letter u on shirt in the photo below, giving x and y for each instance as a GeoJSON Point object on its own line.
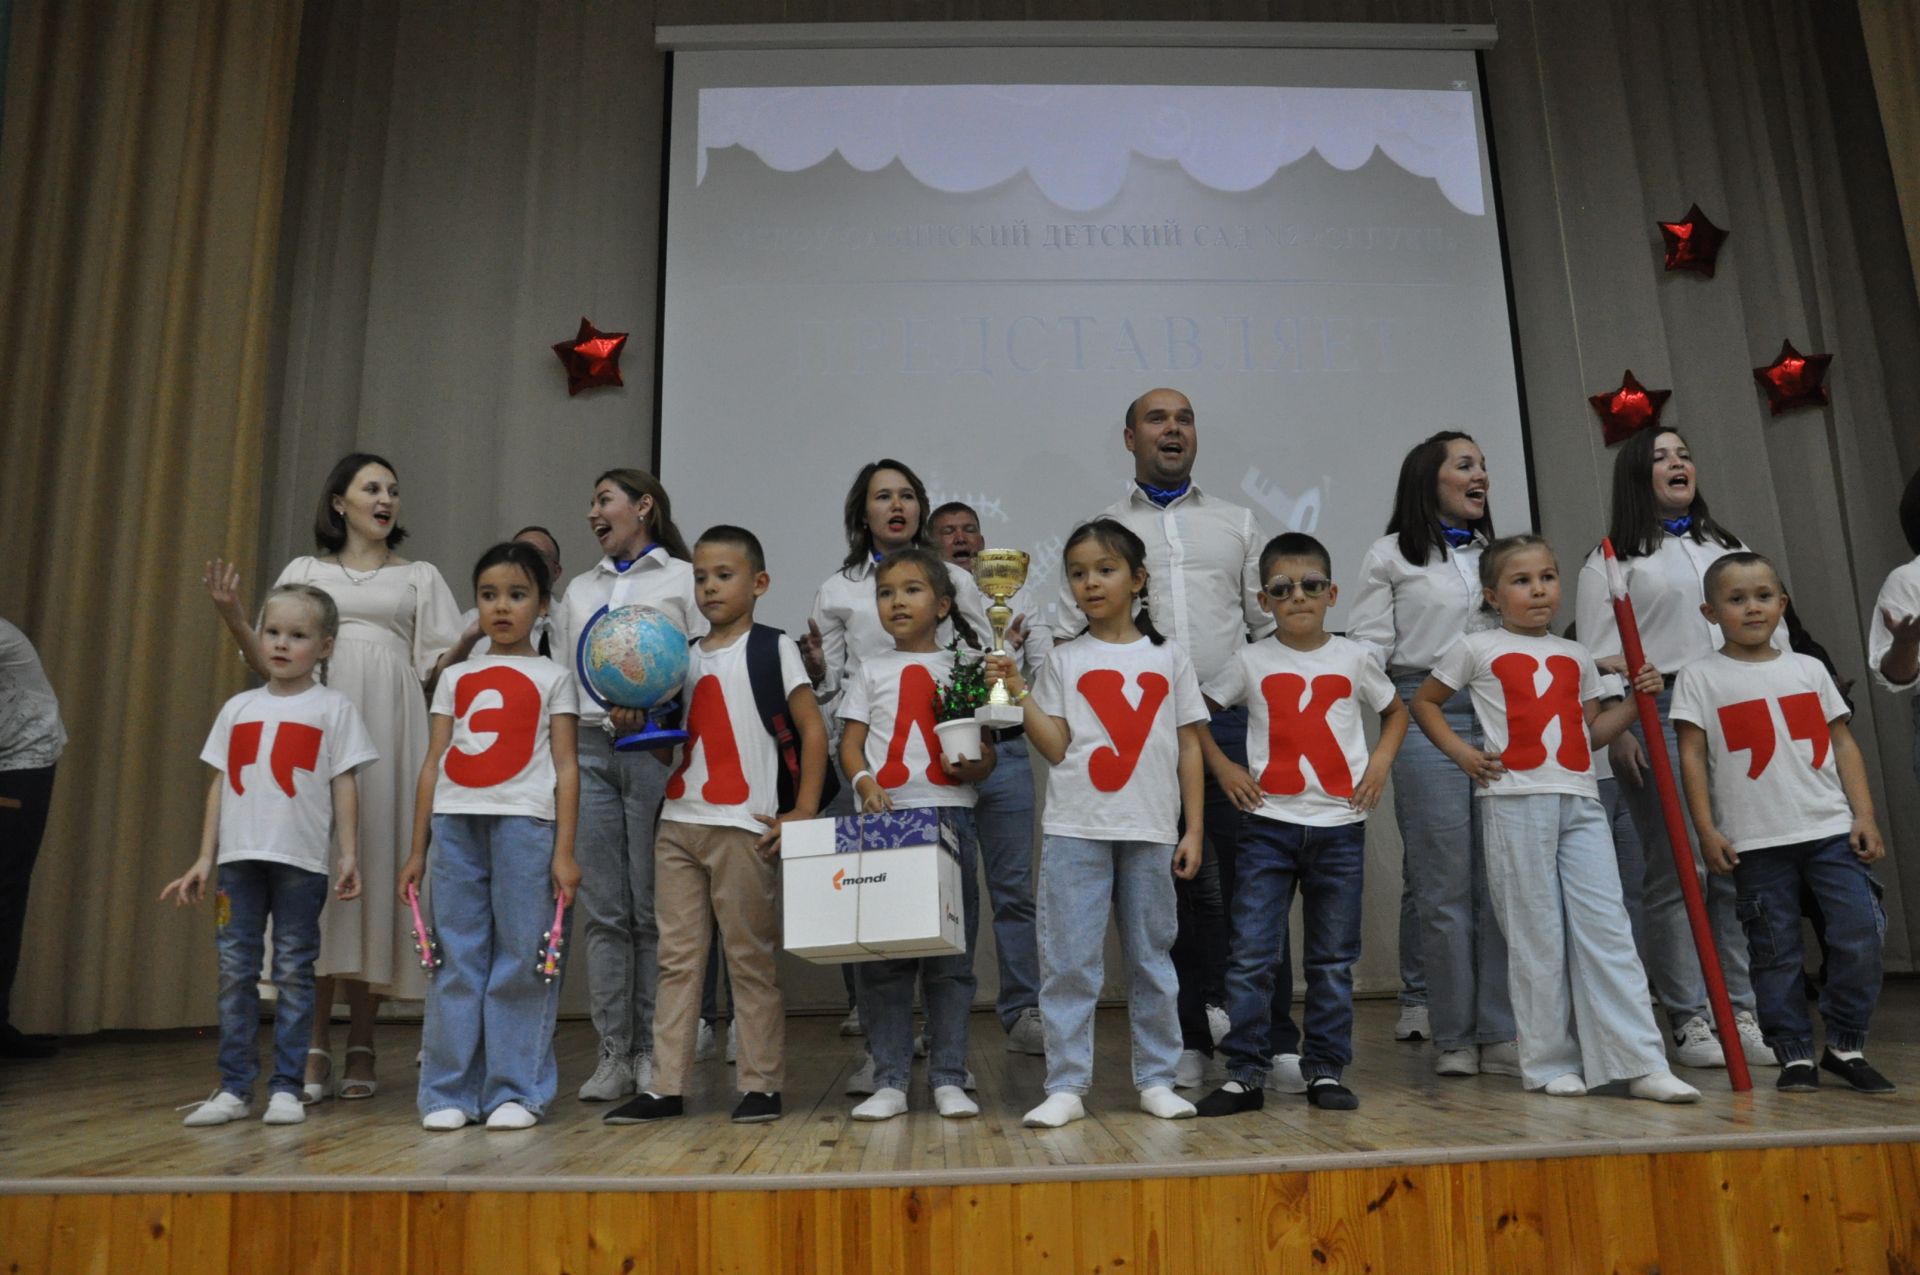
{"type": "Point", "coordinates": [515, 722]}
{"type": "Point", "coordinates": [1105, 690]}
{"type": "Point", "coordinates": [913, 711]}
{"type": "Point", "coordinates": [1297, 732]}
{"type": "Point", "coordinates": [1529, 713]}
{"type": "Point", "coordinates": [711, 730]}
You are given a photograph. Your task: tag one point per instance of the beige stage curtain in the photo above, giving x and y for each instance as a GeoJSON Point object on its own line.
{"type": "Point", "coordinates": [1892, 29]}
{"type": "Point", "coordinates": [140, 192]}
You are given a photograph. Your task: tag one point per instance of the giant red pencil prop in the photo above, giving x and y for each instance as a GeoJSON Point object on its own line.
{"type": "Point", "coordinates": [1677, 838]}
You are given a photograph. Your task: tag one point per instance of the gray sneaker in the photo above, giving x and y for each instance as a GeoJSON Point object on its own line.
{"type": "Point", "coordinates": [860, 1083]}
{"type": "Point", "coordinates": [703, 1042]}
{"type": "Point", "coordinates": [1027, 1036]}
{"type": "Point", "coordinates": [1694, 1045]}
{"type": "Point", "coordinates": [642, 1065]}
{"type": "Point", "coordinates": [612, 1079]}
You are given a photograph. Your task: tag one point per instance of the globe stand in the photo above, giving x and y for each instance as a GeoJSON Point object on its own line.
{"type": "Point", "coordinates": [653, 736]}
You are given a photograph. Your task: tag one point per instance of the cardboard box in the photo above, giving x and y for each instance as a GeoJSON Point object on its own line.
{"type": "Point", "coordinates": [866, 887]}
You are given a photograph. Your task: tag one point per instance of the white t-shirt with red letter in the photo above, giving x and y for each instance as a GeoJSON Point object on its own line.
{"type": "Point", "coordinates": [1306, 738]}
{"type": "Point", "coordinates": [729, 767]}
{"type": "Point", "coordinates": [1123, 704]}
{"type": "Point", "coordinates": [1530, 694]}
{"type": "Point", "coordinates": [280, 755]}
{"type": "Point", "coordinates": [895, 693]}
{"type": "Point", "coordinates": [1769, 747]}
{"type": "Point", "coordinates": [500, 761]}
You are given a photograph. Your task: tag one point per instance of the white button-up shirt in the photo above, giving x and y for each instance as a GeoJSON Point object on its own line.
{"type": "Point", "coordinates": [1667, 587]}
{"type": "Point", "coordinates": [1408, 616]}
{"type": "Point", "coordinates": [850, 628]}
{"type": "Point", "coordinates": [1900, 595]}
{"type": "Point", "coordinates": [31, 733]}
{"type": "Point", "coordinates": [1203, 575]}
{"type": "Point", "coordinates": [656, 579]}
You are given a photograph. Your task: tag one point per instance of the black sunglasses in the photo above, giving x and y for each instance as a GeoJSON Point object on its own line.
{"type": "Point", "coordinates": [1282, 588]}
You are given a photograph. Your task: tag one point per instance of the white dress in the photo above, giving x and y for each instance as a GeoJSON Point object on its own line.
{"type": "Point", "coordinates": [394, 628]}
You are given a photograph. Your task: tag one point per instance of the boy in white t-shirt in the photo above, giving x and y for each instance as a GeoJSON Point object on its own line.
{"type": "Point", "coordinates": [1780, 800]}
{"type": "Point", "coordinates": [285, 753]}
{"type": "Point", "coordinates": [1305, 691]}
{"type": "Point", "coordinates": [717, 849]}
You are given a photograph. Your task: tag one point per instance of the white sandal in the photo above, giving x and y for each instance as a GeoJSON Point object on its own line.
{"type": "Point", "coordinates": [316, 1090]}
{"type": "Point", "coordinates": [366, 1088]}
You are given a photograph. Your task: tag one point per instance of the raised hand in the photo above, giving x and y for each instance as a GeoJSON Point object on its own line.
{"type": "Point", "coordinates": [813, 653]}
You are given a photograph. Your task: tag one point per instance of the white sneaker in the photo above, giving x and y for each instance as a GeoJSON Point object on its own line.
{"type": "Point", "coordinates": [1218, 1024]}
{"type": "Point", "coordinates": [1570, 1085]}
{"type": "Point", "coordinates": [1457, 1062]}
{"type": "Point", "coordinates": [952, 1102]}
{"type": "Point", "coordinates": [1191, 1070]}
{"type": "Point", "coordinates": [611, 1080]}
{"type": "Point", "coordinates": [1027, 1035]}
{"type": "Point", "coordinates": [703, 1042]}
{"type": "Point", "coordinates": [1413, 1024]}
{"type": "Point", "coordinates": [284, 1108]}
{"type": "Point", "coordinates": [1694, 1045]}
{"type": "Point", "coordinates": [861, 1081]}
{"type": "Point", "coordinates": [445, 1120]}
{"type": "Point", "coordinates": [511, 1115]}
{"type": "Point", "coordinates": [1058, 1110]}
{"type": "Point", "coordinates": [219, 1109]}
{"type": "Point", "coordinates": [1284, 1076]}
{"type": "Point", "coordinates": [1165, 1103]}
{"type": "Point", "coordinates": [1662, 1086]}
{"type": "Point", "coordinates": [884, 1105]}
{"type": "Point", "coordinates": [1500, 1059]}
{"type": "Point", "coordinates": [850, 1025]}
{"type": "Point", "coordinates": [732, 1056]}
{"type": "Point", "coordinates": [1759, 1052]}
{"type": "Point", "coordinates": [642, 1067]}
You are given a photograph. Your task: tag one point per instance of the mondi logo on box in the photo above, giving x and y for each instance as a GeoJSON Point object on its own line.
{"type": "Point", "coordinates": [841, 878]}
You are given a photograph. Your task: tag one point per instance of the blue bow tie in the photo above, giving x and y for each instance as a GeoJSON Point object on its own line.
{"type": "Point", "coordinates": [1458, 537]}
{"type": "Point", "coordinates": [1163, 496]}
{"type": "Point", "coordinates": [1678, 526]}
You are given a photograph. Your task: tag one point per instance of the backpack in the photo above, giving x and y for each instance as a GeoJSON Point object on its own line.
{"type": "Point", "coordinates": [763, 671]}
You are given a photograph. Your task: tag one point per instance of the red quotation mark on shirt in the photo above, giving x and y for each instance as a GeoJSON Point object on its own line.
{"type": "Point", "coordinates": [1529, 713]}
{"type": "Point", "coordinates": [1105, 690]}
{"type": "Point", "coordinates": [1297, 733]}
{"type": "Point", "coordinates": [917, 696]}
{"type": "Point", "coordinates": [296, 746]}
{"type": "Point", "coordinates": [710, 729]}
{"type": "Point", "coordinates": [1748, 728]}
{"type": "Point", "coordinates": [514, 721]}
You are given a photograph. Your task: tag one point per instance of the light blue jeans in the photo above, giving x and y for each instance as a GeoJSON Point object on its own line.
{"type": "Point", "coordinates": [1579, 991]}
{"type": "Point", "coordinates": [254, 890]}
{"type": "Point", "coordinates": [1462, 952]}
{"type": "Point", "coordinates": [1675, 963]}
{"type": "Point", "coordinates": [1003, 817]}
{"type": "Point", "coordinates": [885, 990]}
{"type": "Point", "coordinates": [488, 1038]}
{"type": "Point", "coordinates": [620, 796]}
{"type": "Point", "coordinates": [1081, 882]}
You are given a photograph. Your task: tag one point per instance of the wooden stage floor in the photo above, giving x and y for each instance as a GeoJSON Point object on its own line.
{"type": "Point", "coordinates": [100, 1118]}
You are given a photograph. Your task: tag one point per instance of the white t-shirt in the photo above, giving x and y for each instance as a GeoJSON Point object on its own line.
{"type": "Point", "coordinates": [1530, 695]}
{"type": "Point", "coordinates": [729, 768]}
{"type": "Point", "coordinates": [500, 760]}
{"type": "Point", "coordinates": [1769, 747]}
{"type": "Point", "coordinates": [1901, 596]}
{"type": "Point", "coordinates": [1123, 705]}
{"type": "Point", "coordinates": [280, 755]}
{"type": "Point", "coordinates": [1306, 738]}
{"type": "Point", "coordinates": [894, 693]}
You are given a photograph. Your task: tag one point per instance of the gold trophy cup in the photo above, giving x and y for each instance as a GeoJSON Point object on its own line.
{"type": "Point", "coordinates": [1000, 573]}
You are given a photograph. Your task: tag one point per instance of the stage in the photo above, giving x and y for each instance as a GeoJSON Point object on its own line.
{"type": "Point", "coordinates": [96, 1172]}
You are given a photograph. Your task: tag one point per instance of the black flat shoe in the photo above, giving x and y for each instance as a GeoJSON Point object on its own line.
{"type": "Point", "coordinates": [1857, 1072]}
{"type": "Point", "coordinates": [1330, 1095]}
{"type": "Point", "coordinates": [1798, 1077]}
{"type": "Point", "coordinates": [757, 1108]}
{"type": "Point", "coordinates": [1224, 1102]}
{"type": "Point", "coordinates": [15, 1043]}
{"type": "Point", "coordinates": [646, 1107]}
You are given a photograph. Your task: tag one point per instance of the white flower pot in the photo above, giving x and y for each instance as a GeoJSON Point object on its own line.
{"type": "Point", "coordinates": [959, 740]}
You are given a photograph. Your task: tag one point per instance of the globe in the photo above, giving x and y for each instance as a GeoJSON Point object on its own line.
{"type": "Point", "coordinates": [632, 657]}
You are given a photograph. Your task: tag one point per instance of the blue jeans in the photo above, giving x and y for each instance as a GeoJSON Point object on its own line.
{"type": "Point", "coordinates": [251, 891]}
{"type": "Point", "coordinates": [488, 1038]}
{"type": "Point", "coordinates": [1003, 817]}
{"type": "Point", "coordinates": [1673, 961]}
{"type": "Point", "coordinates": [1462, 951]}
{"type": "Point", "coordinates": [885, 990]}
{"type": "Point", "coordinates": [1081, 881]}
{"type": "Point", "coordinates": [1769, 882]}
{"type": "Point", "coordinates": [620, 796]}
{"type": "Point", "coordinates": [1328, 866]}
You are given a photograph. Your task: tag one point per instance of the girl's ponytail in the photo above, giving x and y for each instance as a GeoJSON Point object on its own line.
{"type": "Point", "coordinates": [1143, 618]}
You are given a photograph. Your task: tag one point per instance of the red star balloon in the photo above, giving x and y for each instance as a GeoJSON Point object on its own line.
{"type": "Point", "coordinates": [1693, 242]}
{"type": "Point", "coordinates": [1628, 410]}
{"type": "Point", "coordinates": [1794, 379]}
{"type": "Point", "coordinates": [591, 358]}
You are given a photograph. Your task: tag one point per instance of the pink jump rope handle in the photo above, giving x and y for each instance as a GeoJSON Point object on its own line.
{"type": "Point", "coordinates": [423, 941]}
{"type": "Point", "coordinates": [547, 964]}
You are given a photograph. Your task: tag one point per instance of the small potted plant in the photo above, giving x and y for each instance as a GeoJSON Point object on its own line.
{"type": "Point", "coordinates": [954, 706]}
